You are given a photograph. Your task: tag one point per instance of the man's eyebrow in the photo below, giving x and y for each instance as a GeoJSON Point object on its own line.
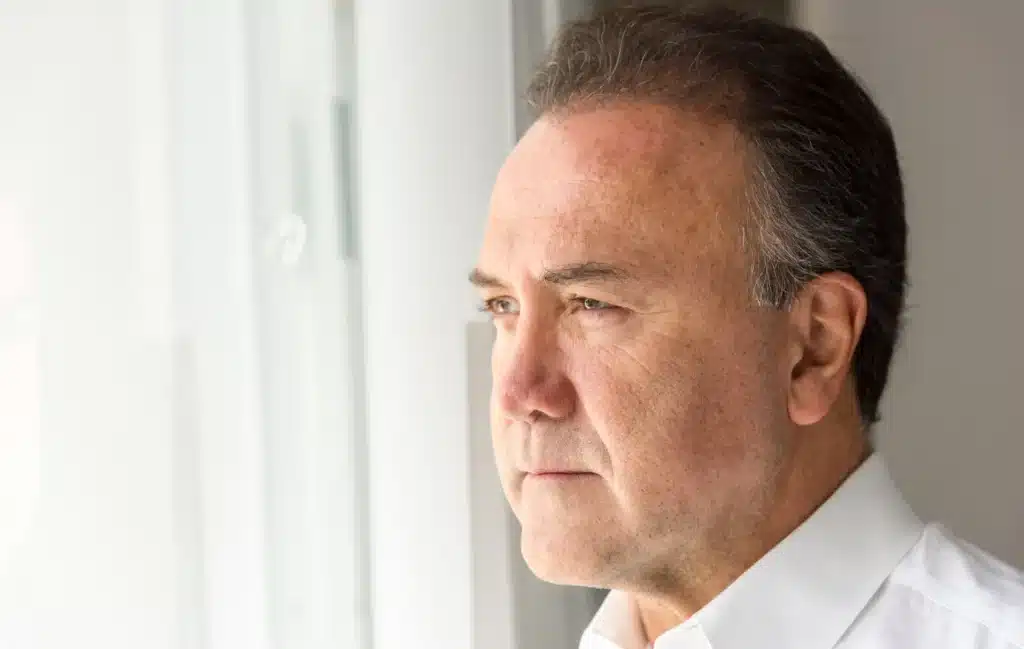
{"type": "Point", "coordinates": [587, 272]}
{"type": "Point", "coordinates": [590, 271]}
{"type": "Point", "coordinates": [480, 279]}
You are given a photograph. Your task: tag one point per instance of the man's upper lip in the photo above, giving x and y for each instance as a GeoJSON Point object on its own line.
{"type": "Point", "coordinates": [554, 471]}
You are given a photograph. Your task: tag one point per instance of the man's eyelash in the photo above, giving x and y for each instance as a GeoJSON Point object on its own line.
{"type": "Point", "coordinates": [581, 300]}
{"type": "Point", "coordinates": [488, 305]}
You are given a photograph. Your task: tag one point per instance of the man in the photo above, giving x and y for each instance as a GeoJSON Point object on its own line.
{"type": "Point", "coordinates": [695, 261]}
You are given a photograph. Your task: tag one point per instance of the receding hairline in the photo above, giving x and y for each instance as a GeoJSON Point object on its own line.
{"type": "Point", "coordinates": [719, 198]}
{"type": "Point", "coordinates": [668, 119]}
{"type": "Point", "coordinates": [708, 110]}
{"type": "Point", "coordinates": [686, 117]}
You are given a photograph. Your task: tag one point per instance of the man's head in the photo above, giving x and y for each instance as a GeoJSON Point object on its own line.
{"type": "Point", "coordinates": [695, 262]}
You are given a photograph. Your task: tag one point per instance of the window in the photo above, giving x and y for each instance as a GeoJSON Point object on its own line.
{"type": "Point", "coordinates": [179, 388]}
{"type": "Point", "coordinates": [275, 295]}
{"type": "Point", "coordinates": [19, 385]}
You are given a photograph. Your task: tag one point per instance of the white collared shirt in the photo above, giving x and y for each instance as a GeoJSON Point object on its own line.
{"type": "Point", "coordinates": [863, 572]}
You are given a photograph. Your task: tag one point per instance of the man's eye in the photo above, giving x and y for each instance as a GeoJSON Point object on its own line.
{"type": "Point", "coordinates": [590, 304]}
{"type": "Point", "coordinates": [500, 306]}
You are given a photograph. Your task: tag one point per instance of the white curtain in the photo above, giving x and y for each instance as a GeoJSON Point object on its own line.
{"type": "Point", "coordinates": [177, 402]}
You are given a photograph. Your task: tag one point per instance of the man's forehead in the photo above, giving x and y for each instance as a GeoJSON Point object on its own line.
{"type": "Point", "coordinates": [632, 144]}
{"type": "Point", "coordinates": [516, 248]}
{"type": "Point", "coordinates": [612, 184]}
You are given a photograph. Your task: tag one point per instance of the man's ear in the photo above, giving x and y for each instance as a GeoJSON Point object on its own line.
{"type": "Point", "coordinates": [825, 322]}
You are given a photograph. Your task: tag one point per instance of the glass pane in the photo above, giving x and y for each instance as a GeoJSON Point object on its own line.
{"type": "Point", "coordinates": [308, 308]}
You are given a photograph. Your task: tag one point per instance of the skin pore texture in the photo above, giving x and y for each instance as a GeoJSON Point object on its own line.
{"type": "Point", "coordinates": [655, 430]}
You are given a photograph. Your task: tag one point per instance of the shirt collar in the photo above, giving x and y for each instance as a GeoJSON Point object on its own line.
{"type": "Point", "coordinates": [806, 592]}
{"type": "Point", "coordinates": [615, 626]}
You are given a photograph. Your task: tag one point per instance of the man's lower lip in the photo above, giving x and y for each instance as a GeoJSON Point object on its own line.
{"type": "Point", "coordinates": [559, 475]}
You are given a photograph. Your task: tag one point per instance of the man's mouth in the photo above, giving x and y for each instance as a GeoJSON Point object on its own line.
{"type": "Point", "coordinates": [558, 475]}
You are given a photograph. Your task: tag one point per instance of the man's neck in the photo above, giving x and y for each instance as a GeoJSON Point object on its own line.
{"type": "Point", "coordinates": [823, 463]}
{"type": "Point", "coordinates": [655, 618]}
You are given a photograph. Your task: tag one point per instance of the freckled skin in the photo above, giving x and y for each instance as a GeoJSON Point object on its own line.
{"type": "Point", "coordinates": [671, 389]}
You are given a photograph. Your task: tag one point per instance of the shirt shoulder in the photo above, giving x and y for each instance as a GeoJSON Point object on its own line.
{"type": "Point", "coordinates": [962, 586]}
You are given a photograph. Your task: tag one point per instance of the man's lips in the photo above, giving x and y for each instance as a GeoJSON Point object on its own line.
{"type": "Point", "coordinates": [558, 474]}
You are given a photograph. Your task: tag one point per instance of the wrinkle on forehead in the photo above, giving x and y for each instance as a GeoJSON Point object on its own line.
{"type": "Point", "coordinates": [633, 181]}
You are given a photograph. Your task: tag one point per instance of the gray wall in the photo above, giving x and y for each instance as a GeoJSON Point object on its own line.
{"type": "Point", "coordinates": [947, 74]}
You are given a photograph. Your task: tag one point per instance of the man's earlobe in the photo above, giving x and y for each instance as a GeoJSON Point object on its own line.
{"type": "Point", "coordinates": [826, 322]}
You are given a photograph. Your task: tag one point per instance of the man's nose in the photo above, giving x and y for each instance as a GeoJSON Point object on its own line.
{"type": "Point", "coordinates": [529, 380]}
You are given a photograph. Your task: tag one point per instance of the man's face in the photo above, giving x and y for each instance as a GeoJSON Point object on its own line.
{"type": "Point", "coordinates": [639, 394]}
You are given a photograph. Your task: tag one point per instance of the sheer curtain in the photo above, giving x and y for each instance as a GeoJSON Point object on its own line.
{"type": "Point", "coordinates": [179, 408]}
{"type": "Point", "coordinates": [186, 458]}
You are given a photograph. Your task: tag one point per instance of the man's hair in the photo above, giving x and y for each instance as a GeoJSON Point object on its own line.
{"type": "Point", "coordinates": [825, 189]}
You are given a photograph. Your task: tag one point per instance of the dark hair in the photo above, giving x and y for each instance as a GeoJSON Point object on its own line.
{"type": "Point", "coordinates": [825, 190]}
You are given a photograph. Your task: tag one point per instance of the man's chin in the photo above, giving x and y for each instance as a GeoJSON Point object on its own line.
{"type": "Point", "coordinates": [565, 561]}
